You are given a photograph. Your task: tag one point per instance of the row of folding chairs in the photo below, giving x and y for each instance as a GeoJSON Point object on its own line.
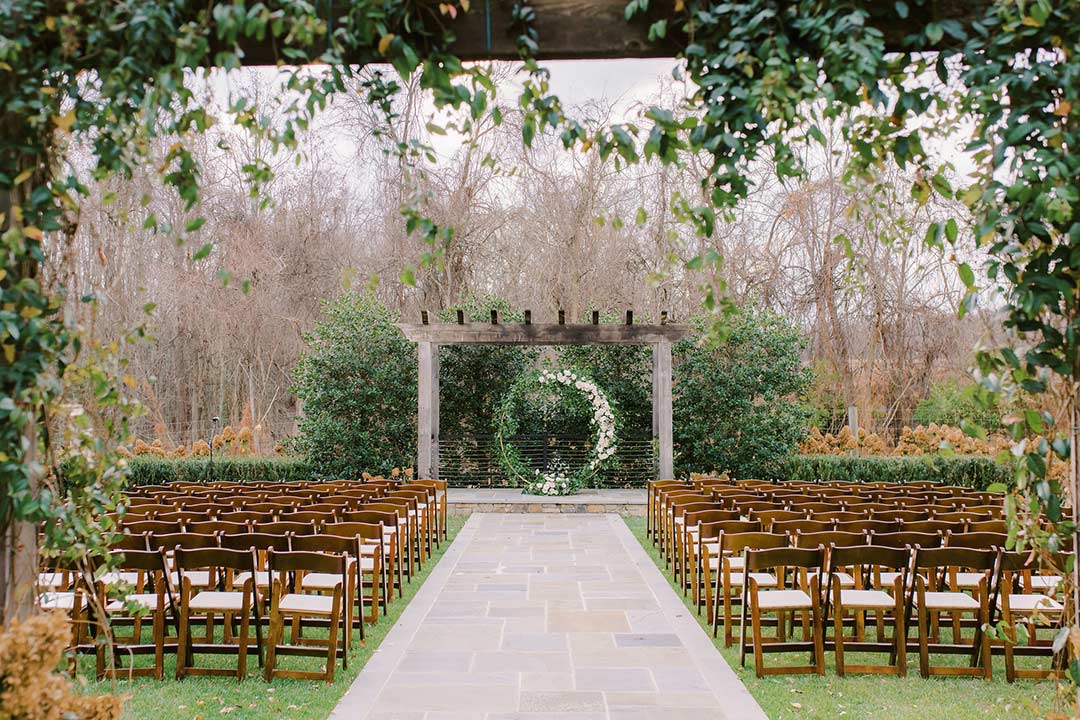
{"type": "Point", "coordinates": [849, 589]}
{"type": "Point", "coordinates": [250, 579]}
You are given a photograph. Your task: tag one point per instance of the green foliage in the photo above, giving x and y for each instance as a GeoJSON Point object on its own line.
{"type": "Point", "coordinates": [625, 374]}
{"type": "Point", "coordinates": [358, 386]}
{"type": "Point", "coordinates": [474, 378]}
{"type": "Point", "coordinates": [548, 401]}
{"type": "Point", "coordinates": [950, 403]}
{"type": "Point", "coordinates": [737, 404]}
{"type": "Point", "coordinates": [978, 473]}
{"type": "Point", "coordinates": [153, 470]}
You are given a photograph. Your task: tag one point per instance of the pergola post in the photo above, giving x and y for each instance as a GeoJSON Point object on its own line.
{"type": "Point", "coordinates": [662, 422]}
{"type": "Point", "coordinates": [425, 390]}
{"type": "Point", "coordinates": [434, 474]}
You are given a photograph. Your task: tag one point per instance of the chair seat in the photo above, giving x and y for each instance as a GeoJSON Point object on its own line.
{"type": "Point", "coordinates": [215, 600]}
{"type": "Point", "coordinates": [866, 599]}
{"type": "Point", "coordinates": [60, 601]}
{"type": "Point", "coordinates": [845, 580]}
{"type": "Point", "coordinates": [306, 604]}
{"type": "Point", "coordinates": [262, 578]}
{"type": "Point", "coordinates": [1045, 582]}
{"type": "Point", "coordinates": [968, 580]}
{"type": "Point", "coordinates": [120, 578]}
{"type": "Point", "coordinates": [322, 581]}
{"type": "Point", "coordinates": [144, 600]}
{"type": "Point", "coordinates": [783, 600]}
{"type": "Point", "coordinates": [949, 601]}
{"type": "Point", "coordinates": [888, 578]}
{"type": "Point", "coordinates": [1030, 604]}
{"type": "Point", "coordinates": [198, 578]}
{"type": "Point", "coordinates": [763, 579]}
{"type": "Point", "coordinates": [52, 580]}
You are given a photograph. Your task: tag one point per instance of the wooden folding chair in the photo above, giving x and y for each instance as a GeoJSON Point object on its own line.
{"type": "Point", "coordinates": [363, 549]}
{"type": "Point", "coordinates": [390, 565]}
{"type": "Point", "coordinates": [243, 603]}
{"type": "Point", "coordinates": [866, 563]}
{"type": "Point", "coordinates": [775, 597]}
{"type": "Point", "coordinates": [295, 604]}
{"type": "Point", "coordinates": [931, 596]}
{"type": "Point", "coordinates": [709, 553]}
{"type": "Point", "coordinates": [1018, 607]}
{"type": "Point", "coordinates": [146, 596]}
{"type": "Point", "coordinates": [730, 579]}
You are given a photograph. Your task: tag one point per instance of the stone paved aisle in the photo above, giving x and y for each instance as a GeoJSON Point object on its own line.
{"type": "Point", "coordinates": [542, 616]}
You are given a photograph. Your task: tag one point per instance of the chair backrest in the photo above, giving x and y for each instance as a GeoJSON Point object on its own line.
{"type": "Point", "coordinates": [906, 539]}
{"type": "Point", "coordinates": [801, 525]}
{"type": "Point", "coordinates": [713, 530]}
{"type": "Point", "coordinates": [257, 540]}
{"type": "Point", "coordinates": [188, 540]}
{"type": "Point", "coordinates": [968, 558]}
{"type": "Point", "coordinates": [827, 538]}
{"type": "Point", "coordinates": [694, 518]}
{"type": "Point", "coordinates": [784, 557]}
{"type": "Point", "coordinates": [995, 526]}
{"type": "Point", "coordinates": [298, 561]}
{"type": "Point", "coordinates": [979, 540]}
{"type": "Point", "coordinates": [736, 542]}
{"type": "Point", "coordinates": [865, 526]}
{"type": "Point", "coordinates": [768, 517]}
{"type": "Point", "coordinates": [878, 556]}
{"type": "Point", "coordinates": [809, 509]}
{"type": "Point", "coordinates": [131, 541]}
{"type": "Point", "coordinates": [219, 526]}
{"type": "Point", "coordinates": [933, 526]}
{"type": "Point", "coordinates": [224, 558]}
{"type": "Point", "coordinates": [847, 516]}
{"type": "Point", "coordinates": [326, 543]}
{"type": "Point", "coordinates": [365, 531]}
{"type": "Point", "coordinates": [901, 516]}
{"type": "Point", "coordinates": [284, 527]}
{"type": "Point", "coordinates": [153, 526]}
{"type": "Point", "coordinates": [244, 516]}
{"type": "Point", "coordinates": [145, 560]}
{"type": "Point", "coordinates": [315, 516]}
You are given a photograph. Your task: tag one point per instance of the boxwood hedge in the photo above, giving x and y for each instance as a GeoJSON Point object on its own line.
{"type": "Point", "coordinates": [154, 470]}
{"type": "Point", "coordinates": [966, 471]}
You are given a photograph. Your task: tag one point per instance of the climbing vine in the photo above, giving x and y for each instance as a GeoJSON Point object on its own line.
{"type": "Point", "coordinates": [765, 75]}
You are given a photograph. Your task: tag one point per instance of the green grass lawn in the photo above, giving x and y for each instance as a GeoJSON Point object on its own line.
{"type": "Point", "coordinates": [876, 697]}
{"type": "Point", "coordinates": [202, 697]}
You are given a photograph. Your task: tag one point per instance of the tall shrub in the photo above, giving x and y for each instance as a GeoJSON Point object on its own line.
{"type": "Point", "coordinates": [474, 378]}
{"type": "Point", "coordinates": [738, 404]}
{"type": "Point", "coordinates": [358, 386]}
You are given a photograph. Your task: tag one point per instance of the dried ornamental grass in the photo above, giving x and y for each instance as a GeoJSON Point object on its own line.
{"type": "Point", "coordinates": [30, 688]}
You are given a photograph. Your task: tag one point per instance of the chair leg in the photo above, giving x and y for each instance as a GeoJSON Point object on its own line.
{"type": "Point", "coordinates": [277, 627]}
{"type": "Point", "coordinates": [838, 634]}
{"type": "Point", "coordinates": [241, 661]}
{"type": "Point", "coordinates": [900, 631]}
{"type": "Point", "coordinates": [159, 644]}
{"type": "Point", "coordinates": [755, 619]}
{"type": "Point", "coordinates": [924, 643]}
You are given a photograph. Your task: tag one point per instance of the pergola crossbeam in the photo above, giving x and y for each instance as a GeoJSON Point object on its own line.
{"type": "Point", "coordinates": [429, 336]}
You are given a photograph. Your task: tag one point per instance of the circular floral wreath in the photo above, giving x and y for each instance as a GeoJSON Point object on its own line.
{"type": "Point", "coordinates": [557, 478]}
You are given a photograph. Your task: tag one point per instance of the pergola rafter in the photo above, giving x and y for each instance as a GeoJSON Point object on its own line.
{"type": "Point", "coordinates": [429, 336]}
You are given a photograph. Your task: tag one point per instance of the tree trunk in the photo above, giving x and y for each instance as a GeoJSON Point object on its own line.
{"type": "Point", "coordinates": [19, 551]}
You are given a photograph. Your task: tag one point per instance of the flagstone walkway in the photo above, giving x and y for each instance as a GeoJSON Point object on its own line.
{"type": "Point", "coordinates": [543, 616]}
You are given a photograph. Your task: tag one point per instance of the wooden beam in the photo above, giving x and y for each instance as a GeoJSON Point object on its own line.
{"type": "Point", "coordinates": [592, 29]}
{"type": "Point", "coordinates": [542, 334]}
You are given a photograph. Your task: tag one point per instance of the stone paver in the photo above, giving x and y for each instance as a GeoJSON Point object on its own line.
{"type": "Point", "coordinates": [538, 616]}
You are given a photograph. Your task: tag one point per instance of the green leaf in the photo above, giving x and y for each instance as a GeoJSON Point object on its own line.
{"type": "Point", "coordinates": [641, 217]}
{"type": "Point", "coordinates": [967, 275]}
{"type": "Point", "coordinates": [195, 224]}
{"type": "Point", "coordinates": [203, 252]}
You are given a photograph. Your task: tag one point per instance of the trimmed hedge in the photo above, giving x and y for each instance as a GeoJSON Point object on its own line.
{"type": "Point", "coordinates": [153, 470]}
{"type": "Point", "coordinates": [966, 471]}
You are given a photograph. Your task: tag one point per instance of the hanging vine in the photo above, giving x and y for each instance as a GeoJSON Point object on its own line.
{"type": "Point", "coordinates": [764, 73]}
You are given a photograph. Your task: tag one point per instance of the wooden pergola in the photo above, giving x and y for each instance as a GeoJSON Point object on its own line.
{"type": "Point", "coordinates": [429, 336]}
